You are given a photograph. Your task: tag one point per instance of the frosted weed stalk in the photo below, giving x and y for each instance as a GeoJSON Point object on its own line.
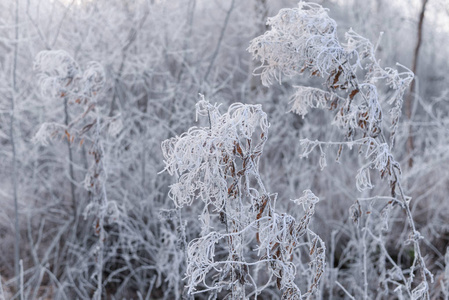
{"type": "Point", "coordinates": [219, 164]}
{"type": "Point", "coordinates": [60, 77]}
{"type": "Point", "coordinates": [304, 39]}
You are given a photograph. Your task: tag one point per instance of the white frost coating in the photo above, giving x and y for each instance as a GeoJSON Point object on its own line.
{"type": "Point", "coordinates": [46, 132]}
{"type": "Point", "coordinates": [56, 63]}
{"type": "Point", "coordinates": [60, 76]}
{"type": "Point", "coordinates": [305, 38]}
{"type": "Point", "coordinates": [309, 97]}
{"type": "Point", "coordinates": [300, 36]}
{"type": "Point", "coordinates": [196, 156]}
{"type": "Point", "coordinates": [93, 78]}
{"type": "Point", "coordinates": [115, 126]}
{"type": "Point", "coordinates": [307, 199]}
{"type": "Point", "coordinates": [57, 70]}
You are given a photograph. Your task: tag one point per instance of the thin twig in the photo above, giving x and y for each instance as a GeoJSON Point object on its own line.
{"type": "Point", "coordinates": [220, 39]}
{"type": "Point", "coordinates": [344, 290]}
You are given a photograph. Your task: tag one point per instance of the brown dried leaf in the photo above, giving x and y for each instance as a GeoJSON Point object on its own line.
{"type": "Point", "coordinates": [353, 93]}
{"type": "Point", "coordinates": [312, 249]}
{"type": "Point", "coordinates": [337, 76]}
{"type": "Point", "coordinates": [68, 135]}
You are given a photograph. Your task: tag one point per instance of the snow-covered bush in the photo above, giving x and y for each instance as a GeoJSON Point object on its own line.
{"type": "Point", "coordinates": [305, 39]}
{"type": "Point", "coordinates": [219, 165]}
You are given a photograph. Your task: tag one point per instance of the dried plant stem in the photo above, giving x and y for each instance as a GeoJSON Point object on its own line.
{"type": "Point", "coordinates": [71, 163]}
{"type": "Point", "coordinates": [220, 40]}
{"type": "Point", "coordinates": [344, 290]}
{"type": "Point", "coordinates": [14, 156]}
{"type": "Point", "coordinates": [411, 94]}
